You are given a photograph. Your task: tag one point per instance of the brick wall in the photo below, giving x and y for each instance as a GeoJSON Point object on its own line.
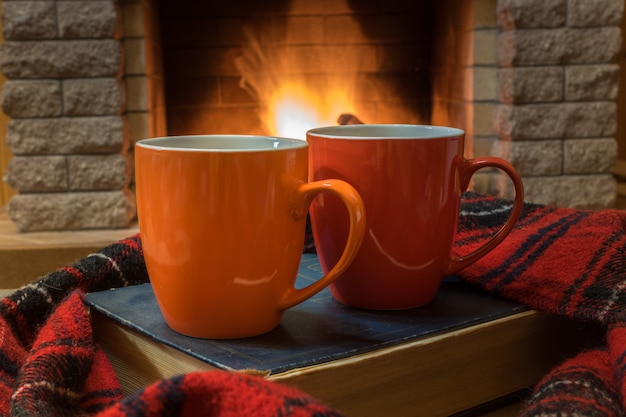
{"type": "Point", "coordinates": [533, 81]}
{"type": "Point", "coordinates": [377, 52]}
{"type": "Point", "coordinates": [556, 114]}
{"type": "Point", "coordinates": [66, 99]}
{"type": "Point", "coordinates": [465, 73]}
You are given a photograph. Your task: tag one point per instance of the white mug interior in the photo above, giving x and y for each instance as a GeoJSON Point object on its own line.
{"type": "Point", "coordinates": [221, 143]}
{"type": "Point", "coordinates": [386, 131]}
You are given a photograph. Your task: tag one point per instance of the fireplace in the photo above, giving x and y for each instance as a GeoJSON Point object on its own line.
{"type": "Point", "coordinates": [247, 67]}
{"type": "Point", "coordinates": [87, 79]}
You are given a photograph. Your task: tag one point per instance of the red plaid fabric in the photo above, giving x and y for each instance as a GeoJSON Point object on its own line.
{"type": "Point", "coordinates": [564, 261]}
{"type": "Point", "coordinates": [51, 366]}
{"type": "Point", "coordinates": [568, 262]}
{"type": "Point", "coordinates": [220, 394]}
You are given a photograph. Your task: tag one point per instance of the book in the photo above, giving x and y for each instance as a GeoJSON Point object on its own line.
{"type": "Point", "coordinates": [461, 350]}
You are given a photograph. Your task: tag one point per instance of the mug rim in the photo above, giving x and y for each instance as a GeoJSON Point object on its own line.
{"type": "Point", "coordinates": [218, 143]}
{"type": "Point", "coordinates": [376, 131]}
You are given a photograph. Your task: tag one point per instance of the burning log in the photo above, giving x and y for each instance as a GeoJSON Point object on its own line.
{"type": "Point", "coordinates": [348, 119]}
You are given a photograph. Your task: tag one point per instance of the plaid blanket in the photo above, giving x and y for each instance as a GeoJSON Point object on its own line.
{"type": "Point", "coordinates": [564, 261]}
{"type": "Point", "coordinates": [51, 366]}
{"type": "Point", "coordinates": [568, 262]}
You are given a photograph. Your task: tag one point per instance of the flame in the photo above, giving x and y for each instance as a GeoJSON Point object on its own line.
{"type": "Point", "coordinates": [294, 109]}
{"type": "Point", "coordinates": [293, 101]}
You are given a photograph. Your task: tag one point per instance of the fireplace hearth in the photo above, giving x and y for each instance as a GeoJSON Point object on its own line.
{"type": "Point", "coordinates": [86, 79]}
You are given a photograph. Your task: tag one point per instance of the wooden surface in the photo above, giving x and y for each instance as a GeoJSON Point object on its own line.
{"type": "Point", "coordinates": [25, 257]}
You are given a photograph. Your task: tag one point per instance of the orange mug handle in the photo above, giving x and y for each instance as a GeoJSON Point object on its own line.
{"type": "Point", "coordinates": [468, 168]}
{"type": "Point", "coordinates": [303, 196]}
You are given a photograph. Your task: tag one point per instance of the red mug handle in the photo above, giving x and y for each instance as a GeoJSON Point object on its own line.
{"type": "Point", "coordinates": [468, 168]}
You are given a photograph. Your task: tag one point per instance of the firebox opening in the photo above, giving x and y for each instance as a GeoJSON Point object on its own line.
{"type": "Point", "coordinates": [253, 67]}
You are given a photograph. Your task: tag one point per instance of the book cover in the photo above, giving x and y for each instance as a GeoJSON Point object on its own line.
{"type": "Point", "coordinates": [317, 331]}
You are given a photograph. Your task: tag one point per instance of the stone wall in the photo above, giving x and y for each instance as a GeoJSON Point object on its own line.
{"type": "Point", "coordinates": [538, 82]}
{"type": "Point", "coordinates": [66, 99]}
{"type": "Point", "coordinates": [558, 80]}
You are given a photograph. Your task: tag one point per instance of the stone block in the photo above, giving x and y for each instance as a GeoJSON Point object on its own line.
{"type": "Point", "coordinates": [590, 119]}
{"type": "Point", "coordinates": [594, 13]}
{"type": "Point", "coordinates": [37, 174]}
{"type": "Point", "coordinates": [93, 96]}
{"type": "Point", "coordinates": [483, 13]}
{"type": "Point", "coordinates": [482, 119]}
{"type": "Point", "coordinates": [136, 88]}
{"type": "Point", "coordinates": [536, 157]}
{"type": "Point", "coordinates": [587, 191]}
{"type": "Point", "coordinates": [485, 42]}
{"type": "Point", "coordinates": [589, 156]}
{"type": "Point", "coordinates": [72, 211]}
{"type": "Point", "coordinates": [135, 57]}
{"type": "Point", "coordinates": [97, 172]}
{"type": "Point", "coordinates": [76, 135]}
{"type": "Point", "coordinates": [60, 59]}
{"type": "Point", "coordinates": [531, 47]}
{"type": "Point", "coordinates": [556, 121]}
{"type": "Point", "coordinates": [481, 146]}
{"type": "Point", "coordinates": [484, 84]}
{"type": "Point", "coordinates": [546, 47]}
{"type": "Point", "coordinates": [86, 19]}
{"type": "Point", "coordinates": [522, 14]}
{"type": "Point", "coordinates": [538, 190]}
{"type": "Point", "coordinates": [28, 20]}
{"type": "Point", "coordinates": [37, 98]}
{"type": "Point", "coordinates": [591, 82]}
{"type": "Point", "coordinates": [133, 19]}
{"type": "Point", "coordinates": [530, 121]}
{"type": "Point", "coordinates": [139, 124]}
{"type": "Point", "coordinates": [583, 45]}
{"type": "Point", "coordinates": [574, 191]}
{"type": "Point", "coordinates": [530, 84]}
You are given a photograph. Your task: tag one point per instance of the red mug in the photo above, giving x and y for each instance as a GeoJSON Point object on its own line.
{"type": "Point", "coordinates": [410, 178]}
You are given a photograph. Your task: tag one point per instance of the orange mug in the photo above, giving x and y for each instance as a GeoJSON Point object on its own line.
{"type": "Point", "coordinates": [411, 178]}
{"type": "Point", "coordinates": [222, 221]}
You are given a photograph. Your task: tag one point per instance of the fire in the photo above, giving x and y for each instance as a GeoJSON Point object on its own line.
{"type": "Point", "coordinates": [294, 109]}
{"type": "Point", "coordinates": [307, 69]}
{"type": "Point", "coordinates": [293, 101]}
